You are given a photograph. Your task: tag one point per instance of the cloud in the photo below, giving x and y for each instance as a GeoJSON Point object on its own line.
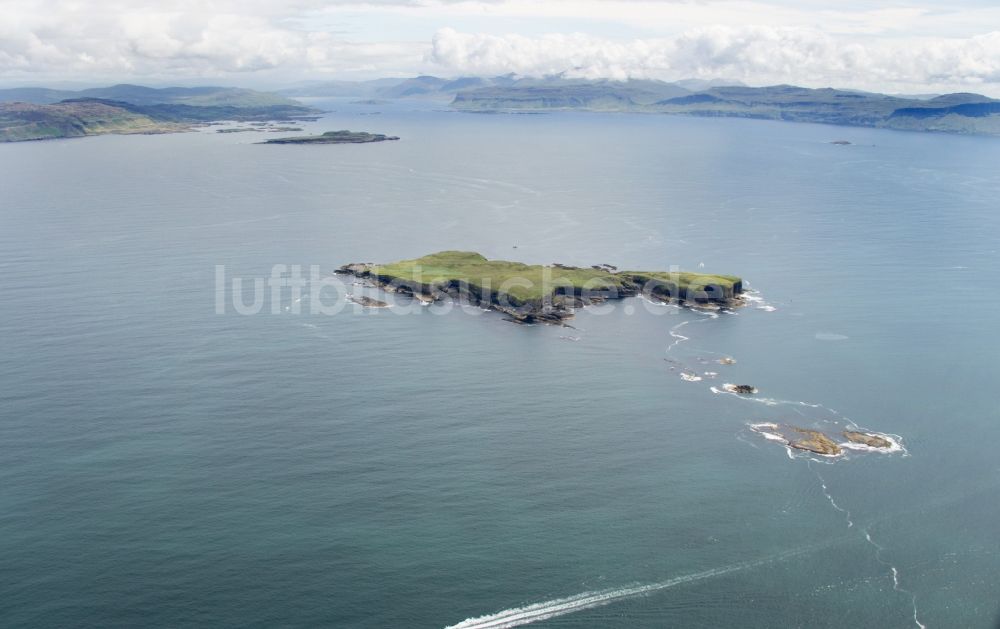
{"type": "Point", "coordinates": [180, 38]}
{"type": "Point", "coordinates": [756, 54]}
{"type": "Point", "coordinates": [811, 43]}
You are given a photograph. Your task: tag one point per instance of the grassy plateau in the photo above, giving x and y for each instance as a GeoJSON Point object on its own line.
{"type": "Point", "coordinates": [536, 291]}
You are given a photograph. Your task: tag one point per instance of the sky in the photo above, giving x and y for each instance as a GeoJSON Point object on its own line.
{"type": "Point", "coordinates": [894, 46]}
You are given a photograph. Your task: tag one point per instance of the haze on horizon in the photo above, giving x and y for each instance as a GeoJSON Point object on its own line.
{"type": "Point", "coordinates": [906, 46]}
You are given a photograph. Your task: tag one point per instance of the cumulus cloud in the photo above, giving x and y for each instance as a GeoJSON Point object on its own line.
{"type": "Point", "coordinates": [70, 39]}
{"type": "Point", "coordinates": [752, 53]}
{"type": "Point", "coordinates": [243, 40]}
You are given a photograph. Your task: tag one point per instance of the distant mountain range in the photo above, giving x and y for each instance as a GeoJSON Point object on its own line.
{"type": "Point", "coordinates": [955, 113]}
{"type": "Point", "coordinates": [437, 88]}
{"type": "Point", "coordinates": [141, 95]}
{"type": "Point", "coordinates": [391, 88]}
{"type": "Point", "coordinates": [41, 113]}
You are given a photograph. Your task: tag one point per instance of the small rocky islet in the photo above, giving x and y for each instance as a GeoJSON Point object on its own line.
{"type": "Point", "coordinates": [820, 442]}
{"type": "Point", "coordinates": [368, 302]}
{"type": "Point", "coordinates": [816, 442]}
{"type": "Point", "coordinates": [868, 439]}
{"type": "Point", "coordinates": [539, 293]}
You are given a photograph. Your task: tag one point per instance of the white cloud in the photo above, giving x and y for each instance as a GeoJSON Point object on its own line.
{"type": "Point", "coordinates": [910, 46]}
{"type": "Point", "coordinates": [756, 54]}
{"type": "Point", "coordinates": [179, 38]}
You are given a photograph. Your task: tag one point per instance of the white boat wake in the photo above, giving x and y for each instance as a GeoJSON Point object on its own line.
{"type": "Point", "coordinates": [517, 616]}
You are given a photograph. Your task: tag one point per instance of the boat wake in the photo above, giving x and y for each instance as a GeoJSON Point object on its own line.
{"type": "Point", "coordinates": [536, 612]}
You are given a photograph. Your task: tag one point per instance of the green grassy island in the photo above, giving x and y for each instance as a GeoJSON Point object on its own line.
{"type": "Point", "coordinates": [334, 137]}
{"type": "Point", "coordinates": [539, 293]}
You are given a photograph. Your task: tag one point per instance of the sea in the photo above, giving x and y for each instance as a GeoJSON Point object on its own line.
{"type": "Point", "coordinates": [199, 428]}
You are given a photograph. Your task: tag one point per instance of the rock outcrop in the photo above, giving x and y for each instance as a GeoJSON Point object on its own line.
{"type": "Point", "coordinates": [868, 439]}
{"type": "Point", "coordinates": [816, 442]}
{"type": "Point", "coordinates": [368, 302]}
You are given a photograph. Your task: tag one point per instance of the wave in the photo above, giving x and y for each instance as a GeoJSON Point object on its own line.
{"type": "Point", "coordinates": [765, 429]}
{"type": "Point", "coordinates": [723, 390]}
{"type": "Point", "coordinates": [752, 297]}
{"type": "Point", "coordinates": [678, 338]}
{"type": "Point", "coordinates": [879, 549]}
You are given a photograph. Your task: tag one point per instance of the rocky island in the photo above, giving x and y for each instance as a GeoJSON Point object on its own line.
{"type": "Point", "coordinates": [819, 442]}
{"type": "Point", "coordinates": [334, 137]}
{"type": "Point", "coordinates": [538, 293]}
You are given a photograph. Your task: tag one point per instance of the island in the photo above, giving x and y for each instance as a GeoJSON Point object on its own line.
{"type": "Point", "coordinates": [259, 129]}
{"type": "Point", "coordinates": [819, 442]}
{"type": "Point", "coordinates": [539, 293]}
{"type": "Point", "coordinates": [334, 137]}
{"type": "Point", "coordinates": [950, 113]}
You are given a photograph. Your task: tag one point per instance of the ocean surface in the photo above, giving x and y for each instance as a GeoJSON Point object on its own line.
{"type": "Point", "coordinates": [166, 461]}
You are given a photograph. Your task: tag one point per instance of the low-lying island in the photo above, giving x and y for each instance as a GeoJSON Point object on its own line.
{"type": "Point", "coordinates": [334, 137]}
{"type": "Point", "coordinates": [539, 293]}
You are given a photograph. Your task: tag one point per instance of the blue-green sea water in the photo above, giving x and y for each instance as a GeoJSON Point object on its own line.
{"type": "Point", "coordinates": [164, 465]}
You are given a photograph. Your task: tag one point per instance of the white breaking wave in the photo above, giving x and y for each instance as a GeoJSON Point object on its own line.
{"type": "Point", "coordinates": [536, 612]}
{"type": "Point", "coordinates": [895, 442]}
{"type": "Point", "coordinates": [753, 298]}
{"type": "Point", "coordinates": [766, 400]}
{"type": "Point", "coordinates": [829, 496]}
{"type": "Point", "coordinates": [678, 338]}
{"type": "Point", "coordinates": [895, 578]}
{"type": "Point", "coordinates": [878, 548]}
